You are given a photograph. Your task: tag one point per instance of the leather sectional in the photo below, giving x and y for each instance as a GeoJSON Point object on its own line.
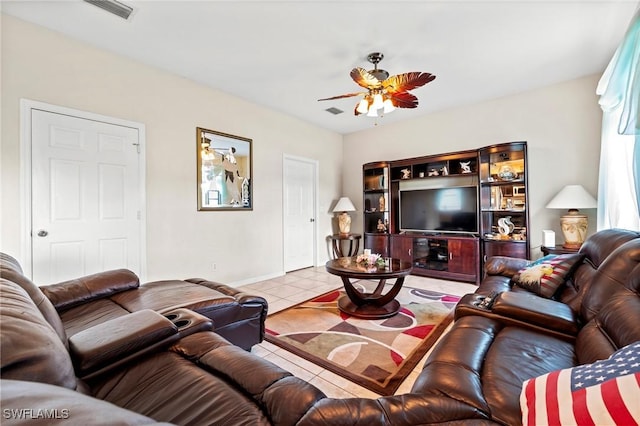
{"type": "Point", "coordinates": [174, 369]}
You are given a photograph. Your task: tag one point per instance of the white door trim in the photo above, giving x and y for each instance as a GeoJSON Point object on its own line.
{"type": "Point", "coordinates": [316, 199]}
{"type": "Point", "coordinates": [26, 106]}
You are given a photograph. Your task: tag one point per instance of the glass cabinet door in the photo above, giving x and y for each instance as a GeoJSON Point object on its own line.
{"type": "Point", "coordinates": [503, 197]}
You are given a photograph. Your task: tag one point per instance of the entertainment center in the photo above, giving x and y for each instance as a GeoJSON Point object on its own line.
{"type": "Point", "coordinates": [446, 214]}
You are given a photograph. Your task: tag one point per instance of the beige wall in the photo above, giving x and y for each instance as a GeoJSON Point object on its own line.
{"type": "Point", "coordinates": [560, 123]}
{"type": "Point", "coordinates": [41, 65]}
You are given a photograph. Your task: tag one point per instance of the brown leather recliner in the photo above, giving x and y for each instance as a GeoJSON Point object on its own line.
{"type": "Point", "coordinates": [491, 351]}
{"type": "Point", "coordinates": [164, 367]}
{"type": "Point", "coordinates": [84, 302]}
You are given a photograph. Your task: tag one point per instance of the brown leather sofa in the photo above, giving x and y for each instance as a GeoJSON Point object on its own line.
{"type": "Point", "coordinates": [87, 301]}
{"type": "Point", "coordinates": [170, 368]}
{"type": "Point", "coordinates": [491, 351]}
{"type": "Point", "coordinates": [474, 375]}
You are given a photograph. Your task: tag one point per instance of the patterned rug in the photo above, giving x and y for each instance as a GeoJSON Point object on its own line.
{"type": "Point", "coordinates": [376, 354]}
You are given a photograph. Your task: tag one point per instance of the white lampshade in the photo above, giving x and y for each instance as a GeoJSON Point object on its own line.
{"type": "Point", "coordinates": [377, 101]}
{"type": "Point", "coordinates": [344, 204]}
{"type": "Point", "coordinates": [573, 197]}
{"type": "Point", "coordinates": [388, 106]}
{"type": "Point", "coordinates": [363, 106]}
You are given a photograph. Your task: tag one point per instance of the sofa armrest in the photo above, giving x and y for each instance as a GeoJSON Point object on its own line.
{"type": "Point", "coordinates": [537, 310]}
{"type": "Point", "coordinates": [70, 293]}
{"type": "Point", "coordinates": [522, 309]}
{"type": "Point", "coordinates": [115, 340]}
{"type": "Point", "coordinates": [239, 295]}
{"type": "Point", "coordinates": [505, 266]}
{"type": "Point", "coordinates": [119, 340]}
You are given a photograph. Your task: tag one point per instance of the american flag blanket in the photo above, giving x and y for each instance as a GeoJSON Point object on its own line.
{"type": "Point", "coordinates": [603, 393]}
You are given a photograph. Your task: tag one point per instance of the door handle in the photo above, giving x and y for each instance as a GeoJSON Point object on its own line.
{"type": "Point", "coordinates": [312, 220]}
{"type": "Point", "coordinates": [42, 233]}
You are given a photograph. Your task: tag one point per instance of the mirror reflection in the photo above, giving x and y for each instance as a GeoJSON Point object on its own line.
{"type": "Point", "coordinates": [224, 171]}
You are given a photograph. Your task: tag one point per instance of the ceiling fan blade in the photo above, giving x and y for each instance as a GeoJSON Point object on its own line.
{"type": "Point", "coordinates": [348, 95]}
{"type": "Point", "coordinates": [365, 79]}
{"type": "Point", "coordinates": [404, 100]}
{"type": "Point", "coordinates": [407, 81]}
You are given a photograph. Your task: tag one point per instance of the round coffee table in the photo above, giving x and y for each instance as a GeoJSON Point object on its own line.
{"type": "Point", "coordinates": [369, 305]}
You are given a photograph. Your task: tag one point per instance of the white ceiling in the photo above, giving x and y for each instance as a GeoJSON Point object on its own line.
{"type": "Point", "coordinates": [287, 54]}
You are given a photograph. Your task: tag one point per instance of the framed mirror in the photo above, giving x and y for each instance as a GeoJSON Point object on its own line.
{"type": "Point", "coordinates": [224, 171]}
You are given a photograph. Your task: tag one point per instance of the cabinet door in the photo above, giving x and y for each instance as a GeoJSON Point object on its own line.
{"type": "Point", "coordinates": [377, 243]}
{"type": "Point", "coordinates": [402, 248]}
{"type": "Point", "coordinates": [462, 256]}
{"type": "Point", "coordinates": [505, 248]}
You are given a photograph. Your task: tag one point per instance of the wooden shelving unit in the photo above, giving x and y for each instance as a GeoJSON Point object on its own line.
{"type": "Point", "coordinates": [499, 174]}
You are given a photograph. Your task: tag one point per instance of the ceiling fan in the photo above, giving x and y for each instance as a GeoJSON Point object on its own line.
{"type": "Point", "coordinates": [383, 92]}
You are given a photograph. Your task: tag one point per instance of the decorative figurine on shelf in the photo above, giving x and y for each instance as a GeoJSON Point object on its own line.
{"type": "Point", "coordinates": [444, 171]}
{"type": "Point", "coordinates": [464, 166]}
{"type": "Point", "coordinates": [381, 226]}
{"type": "Point", "coordinates": [381, 203]}
{"type": "Point", "coordinates": [507, 173]}
{"type": "Point", "coordinates": [406, 173]}
{"type": "Point", "coordinates": [505, 226]}
{"type": "Point", "coordinates": [433, 172]}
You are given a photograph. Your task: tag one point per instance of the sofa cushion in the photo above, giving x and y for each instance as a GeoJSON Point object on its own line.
{"type": "Point", "coordinates": [605, 392]}
{"type": "Point", "coordinates": [546, 275]}
{"type": "Point", "coordinates": [29, 403]}
{"type": "Point", "coordinates": [11, 270]}
{"type": "Point", "coordinates": [31, 349]}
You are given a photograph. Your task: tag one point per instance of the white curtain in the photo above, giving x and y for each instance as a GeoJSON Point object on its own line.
{"type": "Point", "coordinates": [619, 91]}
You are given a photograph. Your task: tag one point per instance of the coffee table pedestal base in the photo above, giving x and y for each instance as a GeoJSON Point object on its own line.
{"type": "Point", "coordinates": [368, 310]}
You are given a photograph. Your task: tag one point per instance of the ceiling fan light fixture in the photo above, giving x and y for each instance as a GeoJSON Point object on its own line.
{"type": "Point", "coordinates": [377, 101]}
{"type": "Point", "coordinates": [388, 106]}
{"type": "Point", "coordinates": [383, 93]}
{"type": "Point", "coordinates": [363, 106]}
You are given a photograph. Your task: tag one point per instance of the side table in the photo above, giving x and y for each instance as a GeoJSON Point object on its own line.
{"type": "Point", "coordinates": [557, 250]}
{"type": "Point", "coordinates": [354, 244]}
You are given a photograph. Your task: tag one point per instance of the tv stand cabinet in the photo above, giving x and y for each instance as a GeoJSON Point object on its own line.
{"type": "Point", "coordinates": [447, 256]}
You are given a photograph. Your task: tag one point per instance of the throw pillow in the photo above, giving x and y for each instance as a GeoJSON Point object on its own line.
{"type": "Point", "coordinates": [603, 393]}
{"type": "Point", "coordinates": [546, 275]}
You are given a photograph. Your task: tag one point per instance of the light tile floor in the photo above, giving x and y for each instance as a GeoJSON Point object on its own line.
{"type": "Point", "coordinates": [298, 286]}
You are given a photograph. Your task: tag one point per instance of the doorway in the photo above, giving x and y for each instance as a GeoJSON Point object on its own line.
{"type": "Point", "coordinates": [83, 192]}
{"type": "Point", "coordinates": [300, 180]}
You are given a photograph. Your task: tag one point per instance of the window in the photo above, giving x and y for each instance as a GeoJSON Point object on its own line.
{"type": "Point", "coordinates": [619, 180]}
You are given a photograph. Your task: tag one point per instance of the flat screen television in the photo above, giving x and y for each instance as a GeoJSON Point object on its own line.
{"type": "Point", "coordinates": [451, 209]}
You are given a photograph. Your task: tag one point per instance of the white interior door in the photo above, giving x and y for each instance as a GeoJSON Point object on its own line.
{"type": "Point", "coordinates": [85, 199]}
{"type": "Point", "coordinates": [299, 213]}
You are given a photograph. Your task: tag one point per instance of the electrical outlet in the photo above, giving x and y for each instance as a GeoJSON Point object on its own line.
{"type": "Point", "coordinates": [214, 266]}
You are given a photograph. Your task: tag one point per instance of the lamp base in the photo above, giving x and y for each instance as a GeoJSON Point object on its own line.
{"type": "Point", "coordinates": [574, 228]}
{"type": "Point", "coordinates": [344, 223]}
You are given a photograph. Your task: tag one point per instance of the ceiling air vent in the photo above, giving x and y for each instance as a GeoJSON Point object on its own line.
{"type": "Point", "coordinates": [113, 6]}
{"type": "Point", "coordinates": [334, 110]}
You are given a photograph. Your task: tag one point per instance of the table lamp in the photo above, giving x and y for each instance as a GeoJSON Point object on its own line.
{"type": "Point", "coordinates": [344, 205]}
{"type": "Point", "coordinates": [574, 224]}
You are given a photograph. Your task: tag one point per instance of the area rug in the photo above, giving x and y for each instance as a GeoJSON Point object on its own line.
{"type": "Point", "coordinates": [375, 354]}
